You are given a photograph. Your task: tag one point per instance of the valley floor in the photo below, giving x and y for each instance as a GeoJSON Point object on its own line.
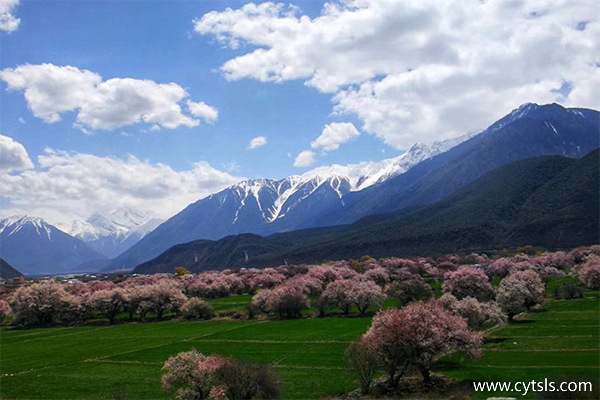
{"type": "Point", "coordinates": [124, 361]}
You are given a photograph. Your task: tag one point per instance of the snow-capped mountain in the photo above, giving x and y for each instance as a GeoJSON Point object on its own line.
{"type": "Point", "coordinates": [266, 206]}
{"type": "Point", "coordinates": [335, 195]}
{"type": "Point", "coordinates": [35, 247]}
{"type": "Point", "coordinates": [115, 232]}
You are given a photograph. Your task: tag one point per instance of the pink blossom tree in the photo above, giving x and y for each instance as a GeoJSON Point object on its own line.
{"type": "Point", "coordinates": [339, 294]}
{"type": "Point", "coordinates": [590, 276]}
{"type": "Point", "coordinates": [366, 294]}
{"type": "Point", "coordinates": [416, 335]}
{"type": "Point", "coordinates": [38, 303]}
{"type": "Point", "coordinates": [409, 288]}
{"type": "Point", "coordinates": [193, 376]}
{"type": "Point", "coordinates": [468, 281]}
{"type": "Point", "coordinates": [477, 314]}
{"type": "Point", "coordinates": [520, 290]}
{"type": "Point", "coordinates": [5, 310]}
{"type": "Point", "coordinates": [196, 308]}
{"type": "Point", "coordinates": [109, 302]}
{"type": "Point", "coordinates": [183, 375]}
{"type": "Point", "coordinates": [287, 301]}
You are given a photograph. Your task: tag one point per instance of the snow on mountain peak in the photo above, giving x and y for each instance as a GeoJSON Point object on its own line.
{"type": "Point", "coordinates": [15, 223]}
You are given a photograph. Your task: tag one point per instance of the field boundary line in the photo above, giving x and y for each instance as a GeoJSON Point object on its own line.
{"type": "Point", "coordinates": [172, 342]}
{"type": "Point", "coordinates": [275, 341]}
{"type": "Point", "coordinates": [575, 350]}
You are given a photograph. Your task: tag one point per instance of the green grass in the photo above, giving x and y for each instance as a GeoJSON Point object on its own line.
{"type": "Point", "coordinates": [95, 362]}
{"type": "Point", "coordinates": [92, 362]}
{"type": "Point", "coordinates": [562, 340]}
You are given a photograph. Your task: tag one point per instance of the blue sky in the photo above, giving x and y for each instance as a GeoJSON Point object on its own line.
{"type": "Point", "coordinates": [155, 104]}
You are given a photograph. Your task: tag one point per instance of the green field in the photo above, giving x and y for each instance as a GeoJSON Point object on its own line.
{"type": "Point", "coordinates": [102, 362]}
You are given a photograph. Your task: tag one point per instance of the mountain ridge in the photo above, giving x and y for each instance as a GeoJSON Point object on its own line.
{"type": "Point", "coordinates": [492, 212]}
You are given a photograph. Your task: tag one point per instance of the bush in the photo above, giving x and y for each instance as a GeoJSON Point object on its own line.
{"type": "Point", "coordinates": [193, 376]}
{"type": "Point", "coordinates": [196, 308]}
{"type": "Point", "coordinates": [363, 362]}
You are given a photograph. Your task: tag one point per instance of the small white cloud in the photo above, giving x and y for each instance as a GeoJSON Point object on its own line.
{"type": "Point", "coordinates": [334, 135]}
{"type": "Point", "coordinates": [306, 158]}
{"type": "Point", "coordinates": [13, 156]}
{"type": "Point", "coordinates": [8, 22]}
{"type": "Point", "coordinates": [204, 111]}
{"type": "Point", "coordinates": [22, 120]}
{"type": "Point", "coordinates": [258, 141]}
{"type": "Point", "coordinates": [51, 91]}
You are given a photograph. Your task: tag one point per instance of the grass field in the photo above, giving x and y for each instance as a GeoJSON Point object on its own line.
{"type": "Point", "coordinates": [103, 362]}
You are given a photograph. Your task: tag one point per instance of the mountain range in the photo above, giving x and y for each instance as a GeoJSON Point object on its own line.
{"type": "Point", "coordinates": [550, 201]}
{"type": "Point", "coordinates": [333, 195]}
{"type": "Point", "coordinates": [35, 247]}
{"type": "Point", "coordinates": [365, 194]}
{"type": "Point", "coordinates": [113, 233]}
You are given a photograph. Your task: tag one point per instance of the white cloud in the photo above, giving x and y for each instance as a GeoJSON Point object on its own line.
{"type": "Point", "coordinates": [8, 22]}
{"type": "Point", "coordinates": [334, 135]}
{"type": "Point", "coordinates": [419, 70]}
{"type": "Point", "coordinates": [306, 158]}
{"type": "Point", "coordinates": [52, 90]}
{"type": "Point", "coordinates": [69, 185]}
{"type": "Point", "coordinates": [13, 156]}
{"type": "Point", "coordinates": [257, 142]}
{"type": "Point", "coordinates": [204, 111]}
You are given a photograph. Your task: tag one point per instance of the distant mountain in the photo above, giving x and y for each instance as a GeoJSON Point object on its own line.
{"type": "Point", "coordinates": [115, 232]}
{"type": "Point", "coordinates": [7, 271]}
{"type": "Point", "coordinates": [550, 202]}
{"type": "Point", "coordinates": [529, 131]}
{"type": "Point", "coordinates": [266, 206]}
{"type": "Point", "coordinates": [38, 248]}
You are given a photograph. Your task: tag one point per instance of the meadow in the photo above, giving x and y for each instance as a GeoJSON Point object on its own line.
{"type": "Point", "coordinates": [124, 360]}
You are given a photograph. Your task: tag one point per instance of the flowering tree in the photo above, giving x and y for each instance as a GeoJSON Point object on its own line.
{"type": "Point", "coordinates": [184, 376]}
{"type": "Point", "coordinates": [590, 276]}
{"type": "Point", "coordinates": [38, 303]}
{"type": "Point", "coordinates": [193, 376]}
{"type": "Point", "coordinates": [339, 294]}
{"type": "Point", "coordinates": [467, 281]}
{"type": "Point", "coordinates": [287, 301]}
{"type": "Point", "coordinates": [477, 314]}
{"type": "Point", "coordinates": [416, 335]}
{"type": "Point", "coordinates": [379, 275]}
{"type": "Point", "coordinates": [109, 302]}
{"type": "Point", "coordinates": [5, 310]}
{"type": "Point", "coordinates": [520, 290]}
{"type": "Point", "coordinates": [366, 294]}
{"type": "Point", "coordinates": [410, 288]}
{"type": "Point", "coordinates": [196, 308]}
{"type": "Point", "coordinates": [166, 295]}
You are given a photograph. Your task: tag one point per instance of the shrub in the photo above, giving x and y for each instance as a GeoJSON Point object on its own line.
{"type": "Point", "coordinates": [363, 362]}
{"type": "Point", "coordinates": [194, 376]}
{"type": "Point", "coordinates": [196, 308]}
